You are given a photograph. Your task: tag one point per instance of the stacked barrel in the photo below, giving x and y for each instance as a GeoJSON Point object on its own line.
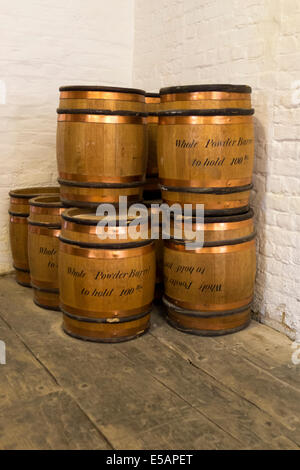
{"type": "Point", "coordinates": [106, 285]}
{"type": "Point", "coordinates": [205, 156]}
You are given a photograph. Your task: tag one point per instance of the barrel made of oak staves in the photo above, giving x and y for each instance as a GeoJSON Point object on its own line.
{"type": "Point", "coordinates": [101, 155]}
{"type": "Point", "coordinates": [205, 97]}
{"type": "Point", "coordinates": [156, 235]}
{"type": "Point", "coordinates": [152, 108]}
{"type": "Point", "coordinates": [209, 289]}
{"type": "Point", "coordinates": [19, 198]}
{"type": "Point", "coordinates": [44, 224]}
{"type": "Point", "coordinates": [102, 97]}
{"type": "Point", "coordinates": [18, 231]}
{"type": "Point", "coordinates": [206, 157]}
{"type": "Point", "coordinates": [106, 279]}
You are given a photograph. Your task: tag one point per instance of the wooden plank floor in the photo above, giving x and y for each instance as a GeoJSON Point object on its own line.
{"type": "Point", "coordinates": [165, 390]}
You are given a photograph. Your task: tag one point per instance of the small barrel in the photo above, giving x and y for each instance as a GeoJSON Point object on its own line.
{"type": "Point", "coordinates": [205, 97]}
{"type": "Point", "coordinates": [101, 155]}
{"type": "Point", "coordinates": [206, 157]}
{"type": "Point", "coordinates": [44, 224]}
{"type": "Point", "coordinates": [106, 284]}
{"type": "Point", "coordinates": [209, 290]}
{"type": "Point", "coordinates": [102, 97]}
{"type": "Point", "coordinates": [18, 213]}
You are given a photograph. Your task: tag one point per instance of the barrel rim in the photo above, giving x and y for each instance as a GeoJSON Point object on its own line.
{"type": "Point", "coordinates": [229, 218]}
{"type": "Point", "coordinates": [153, 113]}
{"type": "Point", "coordinates": [229, 88]}
{"type": "Point", "coordinates": [36, 203]}
{"type": "Point", "coordinates": [19, 214]}
{"type": "Point", "coordinates": [204, 314]}
{"type": "Point", "coordinates": [44, 224]}
{"type": "Point", "coordinates": [91, 222]}
{"type": "Point", "coordinates": [17, 193]}
{"type": "Point", "coordinates": [207, 112]}
{"type": "Point", "coordinates": [106, 319]}
{"type": "Point", "coordinates": [212, 190]}
{"type": "Point", "coordinates": [107, 246]}
{"type": "Point", "coordinates": [101, 112]}
{"type": "Point", "coordinates": [85, 184]}
{"type": "Point", "coordinates": [112, 89]}
{"type": "Point", "coordinates": [152, 95]}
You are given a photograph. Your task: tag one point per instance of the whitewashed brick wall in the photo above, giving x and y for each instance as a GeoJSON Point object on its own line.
{"type": "Point", "coordinates": [45, 44]}
{"type": "Point", "coordinates": [255, 42]}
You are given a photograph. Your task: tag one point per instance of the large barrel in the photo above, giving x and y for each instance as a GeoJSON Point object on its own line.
{"type": "Point", "coordinates": [106, 285]}
{"type": "Point", "coordinates": [101, 155]}
{"type": "Point", "coordinates": [102, 97]}
{"type": "Point", "coordinates": [206, 157]}
{"type": "Point", "coordinates": [209, 290]}
{"type": "Point", "coordinates": [18, 213]}
{"type": "Point", "coordinates": [44, 224]}
{"type": "Point", "coordinates": [205, 97]}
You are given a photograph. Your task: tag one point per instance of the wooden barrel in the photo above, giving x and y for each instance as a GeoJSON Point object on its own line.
{"type": "Point", "coordinates": [209, 290]}
{"type": "Point", "coordinates": [205, 97]}
{"type": "Point", "coordinates": [18, 213]}
{"type": "Point", "coordinates": [106, 286]}
{"type": "Point", "coordinates": [206, 157]}
{"type": "Point", "coordinates": [102, 97]}
{"type": "Point", "coordinates": [18, 243]}
{"type": "Point", "coordinates": [101, 155]}
{"type": "Point", "coordinates": [44, 224]}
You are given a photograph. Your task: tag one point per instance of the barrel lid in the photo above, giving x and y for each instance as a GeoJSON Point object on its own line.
{"type": "Point", "coordinates": [208, 112]}
{"type": "Point", "coordinates": [152, 95]}
{"type": "Point", "coordinates": [213, 87]}
{"type": "Point", "coordinates": [224, 219]}
{"type": "Point", "coordinates": [28, 193]}
{"type": "Point", "coordinates": [102, 88]}
{"type": "Point", "coordinates": [103, 112]}
{"type": "Point", "coordinates": [89, 217]}
{"type": "Point", "coordinates": [46, 201]}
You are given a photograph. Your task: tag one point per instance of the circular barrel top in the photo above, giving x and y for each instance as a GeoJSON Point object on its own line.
{"type": "Point", "coordinates": [152, 95]}
{"type": "Point", "coordinates": [224, 219]}
{"type": "Point", "coordinates": [227, 88]}
{"type": "Point", "coordinates": [89, 217]}
{"type": "Point", "coordinates": [101, 112]}
{"type": "Point", "coordinates": [46, 201]}
{"type": "Point", "coordinates": [28, 193]}
{"type": "Point", "coordinates": [111, 89]}
{"type": "Point", "coordinates": [208, 112]}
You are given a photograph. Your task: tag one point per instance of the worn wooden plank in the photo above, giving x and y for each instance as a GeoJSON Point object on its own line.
{"type": "Point", "coordinates": [49, 422]}
{"type": "Point", "coordinates": [278, 399]}
{"type": "Point", "coordinates": [22, 377]}
{"type": "Point", "coordinates": [251, 426]}
{"type": "Point", "coordinates": [268, 349]}
{"type": "Point", "coordinates": [130, 408]}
